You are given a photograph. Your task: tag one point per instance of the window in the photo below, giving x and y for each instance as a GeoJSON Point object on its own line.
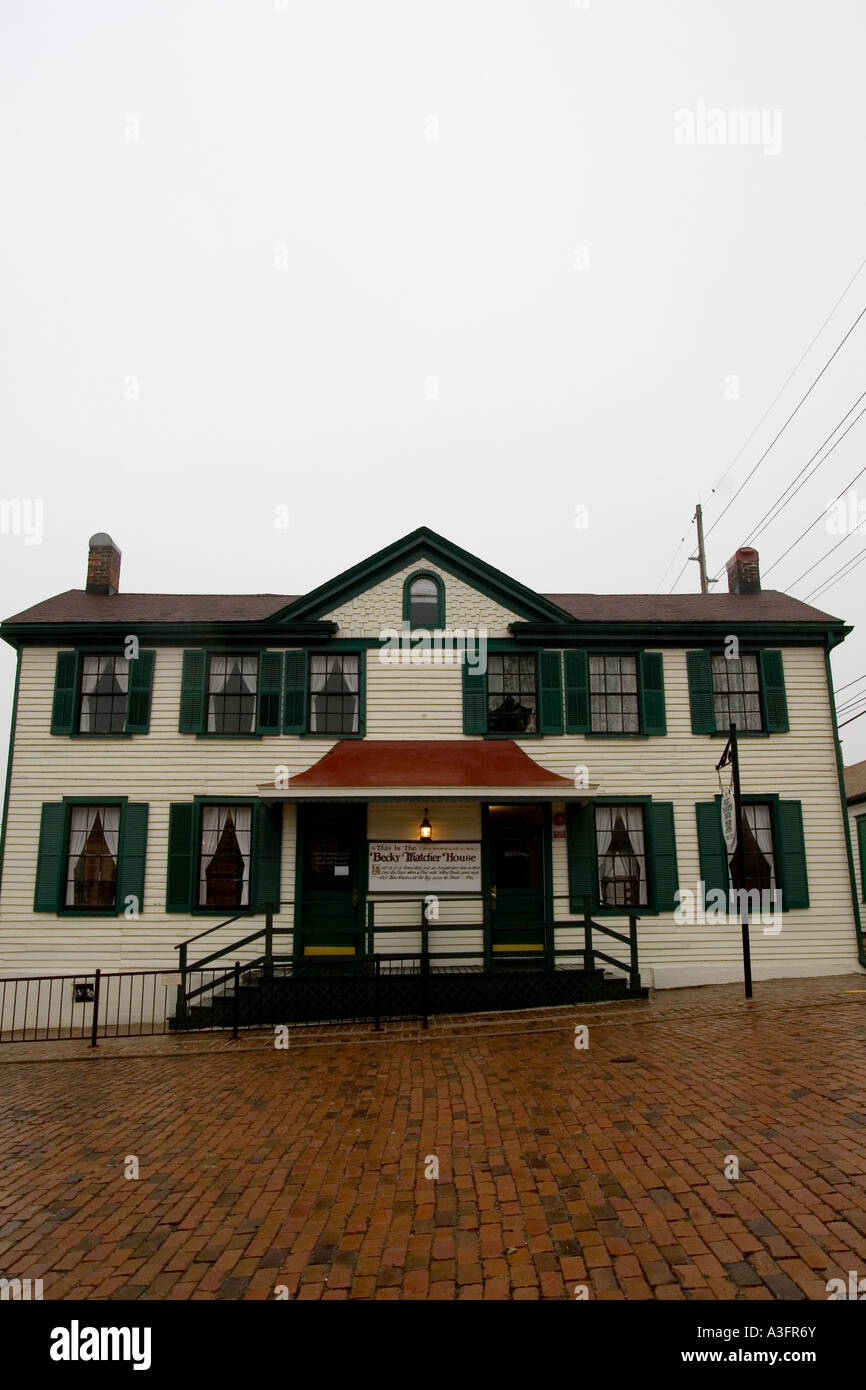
{"type": "Point", "coordinates": [736, 692]}
{"type": "Point", "coordinates": [759, 860]}
{"type": "Point", "coordinates": [423, 603]}
{"type": "Point", "coordinates": [104, 694]}
{"type": "Point", "coordinates": [334, 693]}
{"type": "Point", "coordinates": [91, 860]}
{"type": "Point", "coordinates": [621, 855]}
{"type": "Point", "coordinates": [613, 695]}
{"type": "Point", "coordinates": [232, 682]}
{"type": "Point", "coordinates": [224, 872]}
{"type": "Point", "coordinates": [512, 702]}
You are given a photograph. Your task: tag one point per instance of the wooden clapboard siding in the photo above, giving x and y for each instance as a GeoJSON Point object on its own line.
{"type": "Point", "coordinates": [382, 607]}
{"type": "Point", "coordinates": [680, 767]}
{"type": "Point", "coordinates": [423, 701]}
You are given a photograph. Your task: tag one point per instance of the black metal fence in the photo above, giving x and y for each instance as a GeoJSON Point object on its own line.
{"type": "Point", "coordinates": [272, 990]}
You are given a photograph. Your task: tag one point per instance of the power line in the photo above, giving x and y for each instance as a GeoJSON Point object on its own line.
{"type": "Point", "coordinates": [820, 561]}
{"type": "Point", "coordinates": [830, 583]}
{"type": "Point", "coordinates": [821, 515]}
{"type": "Point", "coordinates": [851, 720]}
{"type": "Point", "coordinates": [669, 565]}
{"type": "Point", "coordinates": [790, 375]}
{"type": "Point", "coordinates": [763, 523]}
{"type": "Point", "coordinates": [853, 682]}
{"type": "Point", "coordinates": [778, 436]}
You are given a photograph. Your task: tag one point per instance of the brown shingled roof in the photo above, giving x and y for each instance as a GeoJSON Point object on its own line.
{"type": "Point", "coordinates": [768, 606]}
{"type": "Point", "coordinates": [77, 606]}
{"type": "Point", "coordinates": [855, 781]}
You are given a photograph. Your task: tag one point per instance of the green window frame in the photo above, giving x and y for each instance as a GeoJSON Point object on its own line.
{"type": "Point", "coordinates": [436, 580]}
{"type": "Point", "coordinates": [282, 691]}
{"type": "Point", "coordinates": [789, 848]}
{"type": "Point", "coordinates": [548, 695]}
{"type": "Point", "coordinates": [53, 856]}
{"type": "Point", "coordinates": [184, 856]}
{"type": "Point", "coordinates": [772, 693]}
{"type": "Point", "coordinates": [662, 873]}
{"type": "Point", "coordinates": [652, 717]}
{"type": "Point", "coordinates": [66, 703]}
{"type": "Point", "coordinates": [860, 822]}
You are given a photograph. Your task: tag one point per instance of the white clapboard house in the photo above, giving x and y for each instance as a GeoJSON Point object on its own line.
{"type": "Point", "coordinates": [422, 752]}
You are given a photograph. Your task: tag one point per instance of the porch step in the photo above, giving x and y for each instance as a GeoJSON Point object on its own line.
{"type": "Point", "coordinates": [323, 994]}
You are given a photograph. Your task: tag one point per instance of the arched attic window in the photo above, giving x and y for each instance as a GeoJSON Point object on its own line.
{"type": "Point", "coordinates": [424, 601]}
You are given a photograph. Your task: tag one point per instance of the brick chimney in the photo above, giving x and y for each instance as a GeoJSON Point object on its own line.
{"type": "Point", "coordinates": [744, 577]}
{"type": "Point", "coordinates": [103, 565]}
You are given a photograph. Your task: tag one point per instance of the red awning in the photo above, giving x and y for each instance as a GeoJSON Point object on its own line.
{"type": "Point", "coordinates": [428, 763]}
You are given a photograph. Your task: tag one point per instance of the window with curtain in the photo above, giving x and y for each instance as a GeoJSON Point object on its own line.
{"type": "Point", "coordinates": [737, 692]}
{"type": "Point", "coordinates": [423, 603]}
{"type": "Point", "coordinates": [231, 707]}
{"type": "Point", "coordinates": [613, 695]}
{"type": "Point", "coordinates": [512, 700]}
{"type": "Point", "coordinates": [621, 855]}
{"type": "Point", "coordinates": [224, 871]}
{"type": "Point", "coordinates": [334, 693]}
{"type": "Point", "coordinates": [91, 860]}
{"type": "Point", "coordinates": [759, 859]}
{"type": "Point", "coordinates": [104, 694]}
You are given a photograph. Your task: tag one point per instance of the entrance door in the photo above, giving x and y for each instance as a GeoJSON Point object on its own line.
{"type": "Point", "coordinates": [329, 915]}
{"type": "Point", "coordinates": [516, 872]}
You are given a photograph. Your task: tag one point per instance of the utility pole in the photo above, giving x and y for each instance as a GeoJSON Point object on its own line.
{"type": "Point", "coordinates": [701, 556]}
{"type": "Point", "coordinates": [731, 755]}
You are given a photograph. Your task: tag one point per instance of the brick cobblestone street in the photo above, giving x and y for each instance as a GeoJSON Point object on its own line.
{"type": "Point", "coordinates": [557, 1166]}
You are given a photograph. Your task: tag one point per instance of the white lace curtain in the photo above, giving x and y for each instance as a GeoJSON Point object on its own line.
{"type": "Point", "coordinates": [621, 864]}
{"type": "Point", "coordinates": [213, 822]}
{"type": "Point", "coordinates": [81, 823]}
{"type": "Point", "coordinates": [91, 670]}
{"type": "Point", "coordinates": [333, 676]}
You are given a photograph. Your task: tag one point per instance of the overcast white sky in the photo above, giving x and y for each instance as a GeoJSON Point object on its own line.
{"type": "Point", "coordinates": [391, 264]}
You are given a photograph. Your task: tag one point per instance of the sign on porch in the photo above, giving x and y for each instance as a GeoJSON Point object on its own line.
{"type": "Point", "coordinates": [451, 866]}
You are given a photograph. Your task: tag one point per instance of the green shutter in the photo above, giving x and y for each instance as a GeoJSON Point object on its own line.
{"type": "Point", "coordinates": [65, 693]}
{"type": "Point", "coordinates": [582, 862]}
{"type": "Point", "coordinates": [701, 692]}
{"type": "Point", "coordinates": [663, 846]}
{"type": "Point", "coordinates": [861, 843]}
{"type": "Point", "coordinates": [267, 847]}
{"type": "Point", "coordinates": [712, 850]}
{"type": "Point", "coordinates": [181, 856]}
{"type": "Point", "coordinates": [551, 693]}
{"type": "Point", "coordinates": [773, 692]}
{"type": "Point", "coordinates": [791, 849]}
{"type": "Point", "coordinates": [295, 692]}
{"type": "Point", "coordinates": [140, 687]}
{"type": "Point", "coordinates": [270, 689]}
{"type": "Point", "coordinates": [362, 692]}
{"type": "Point", "coordinates": [576, 692]}
{"type": "Point", "coordinates": [192, 693]}
{"type": "Point", "coordinates": [474, 700]}
{"type": "Point", "coordinates": [652, 693]}
{"type": "Point", "coordinates": [50, 860]}
{"type": "Point", "coordinates": [131, 855]}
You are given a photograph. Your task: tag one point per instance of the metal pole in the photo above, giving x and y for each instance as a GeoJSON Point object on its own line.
{"type": "Point", "coordinates": [94, 1026]}
{"type": "Point", "coordinates": [236, 1005]}
{"type": "Point", "coordinates": [741, 863]}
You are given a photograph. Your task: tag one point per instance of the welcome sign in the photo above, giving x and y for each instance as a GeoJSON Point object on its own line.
{"type": "Point", "coordinates": [449, 866]}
